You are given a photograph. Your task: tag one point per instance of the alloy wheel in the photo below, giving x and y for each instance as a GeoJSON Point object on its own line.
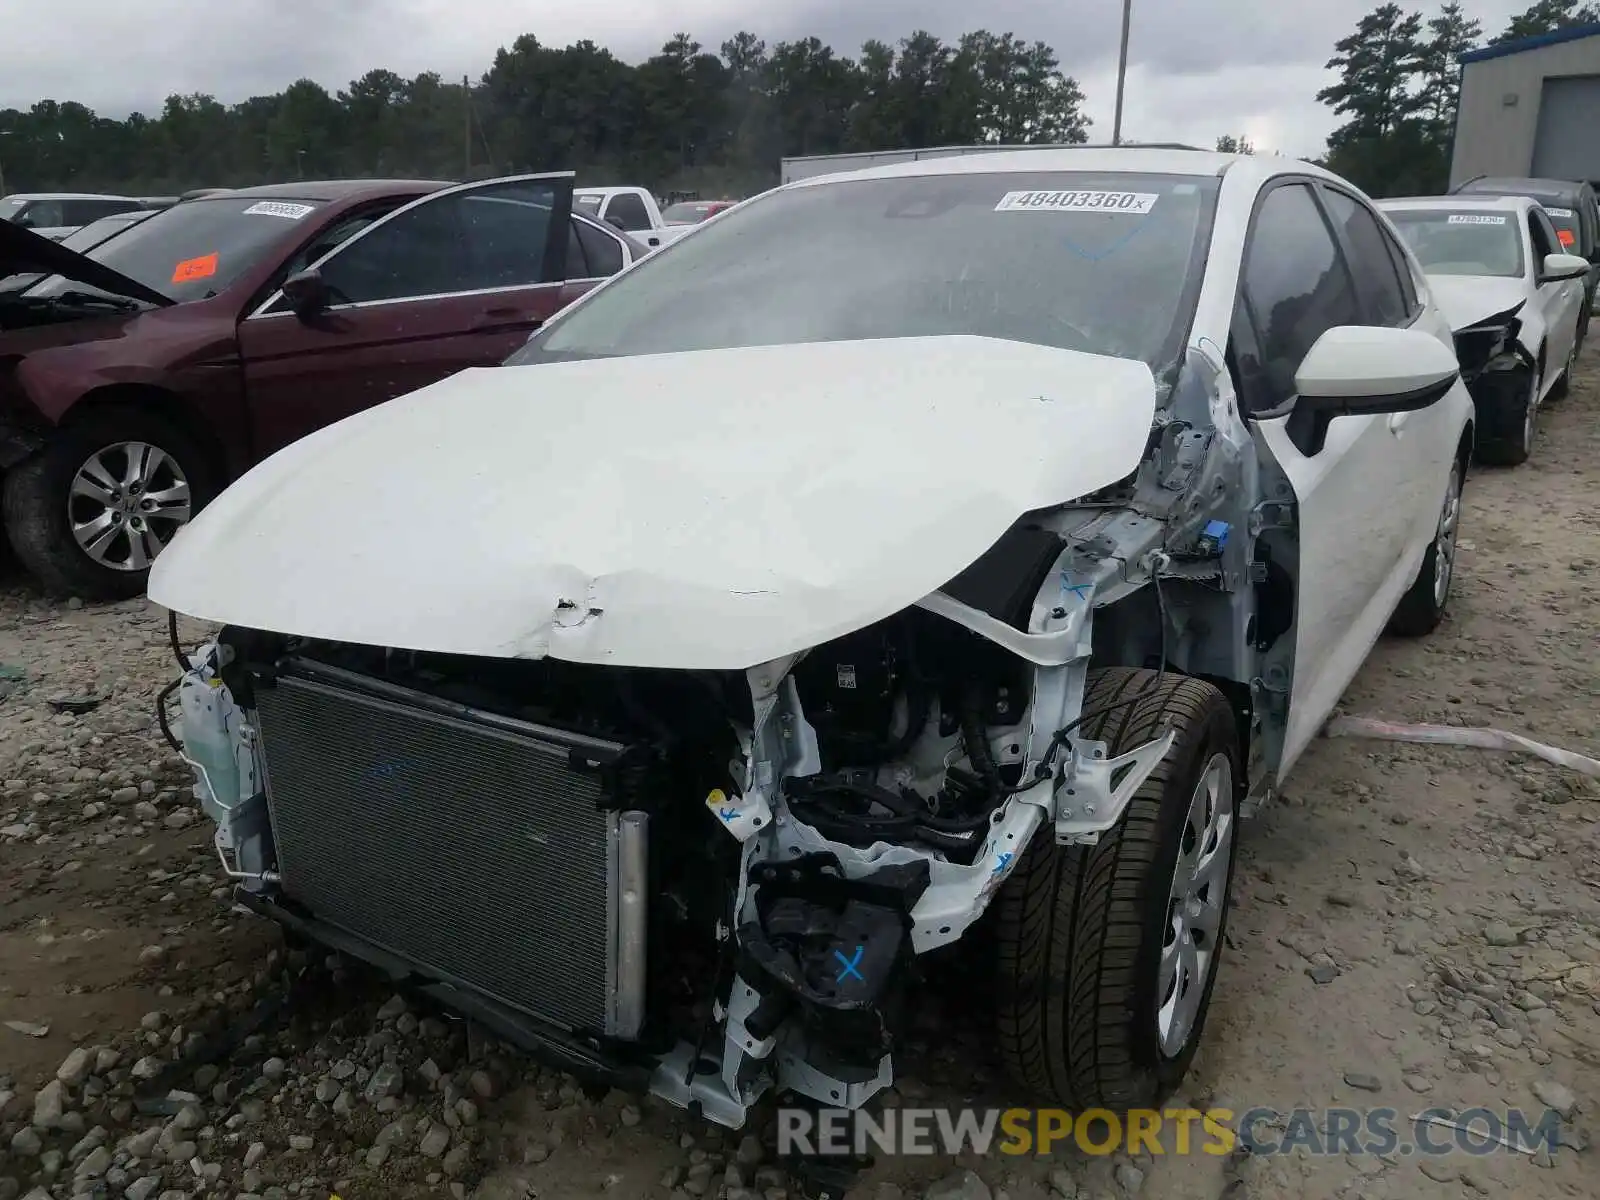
{"type": "Point", "coordinates": [126, 502]}
{"type": "Point", "coordinates": [1195, 905]}
{"type": "Point", "coordinates": [1444, 541]}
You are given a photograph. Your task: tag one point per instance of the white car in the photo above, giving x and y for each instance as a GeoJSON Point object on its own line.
{"type": "Point", "coordinates": [996, 538]}
{"type": "Point", "coordinates": [1514, 298]}
{"type": "Point", "coordinates": [56, 214]}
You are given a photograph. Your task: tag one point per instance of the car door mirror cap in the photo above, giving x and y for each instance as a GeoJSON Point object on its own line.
{"type": "Point", "coordinates": [1366, 369]}
{"type": "Point", "coordinates": [306, 293]}
{"type": "Point", "coordinates": [1559, 267]}
{"type": "Point", "coordinates": [1374, 368]}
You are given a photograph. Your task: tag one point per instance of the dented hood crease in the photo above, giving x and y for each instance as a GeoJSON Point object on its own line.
{"type": "Point", "coordinates": [712, 509]}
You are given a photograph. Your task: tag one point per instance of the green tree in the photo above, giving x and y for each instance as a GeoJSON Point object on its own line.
{"type": "Point", "coordinates": [1450, 35]}
{"type": "Point", "coordinates": [1228, 144]}
{"type": "Point", "coordinates": [1376, 64]}
{"type": "Point", "coordinates": [1547, 16]}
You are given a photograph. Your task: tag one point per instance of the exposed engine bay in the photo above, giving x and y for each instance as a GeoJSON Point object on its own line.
{"type": "Point", "coordinates": [715, 884]}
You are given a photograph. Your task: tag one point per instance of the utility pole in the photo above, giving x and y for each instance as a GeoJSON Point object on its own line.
{"type": "Point", "coordinates": [466, 110]}
{"type": "Point", "coordinates": [1122, 72]}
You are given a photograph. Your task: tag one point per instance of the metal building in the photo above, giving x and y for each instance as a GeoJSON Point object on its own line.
{"type": "Point", "coordinates": [1531, 108]}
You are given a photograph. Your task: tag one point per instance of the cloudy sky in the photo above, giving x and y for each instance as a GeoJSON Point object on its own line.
{"type": "Point", "coordinates": [1198, 70]}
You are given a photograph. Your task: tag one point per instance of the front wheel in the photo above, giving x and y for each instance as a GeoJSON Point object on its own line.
{"type": "Point", "coordinates": [1108, 953]}
{"type": "Point", "coordinates": [88, 514]}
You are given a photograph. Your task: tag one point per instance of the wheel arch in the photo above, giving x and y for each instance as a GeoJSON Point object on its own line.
{"type": "Point", "coordinates": [166, 404]}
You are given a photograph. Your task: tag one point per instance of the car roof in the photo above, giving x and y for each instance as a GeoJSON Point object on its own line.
{"type": "Point", "coordinates": [1516, 185]}
{"type": "Point", "coordinates": [1468, 201]}
{"type": "Point", "coordinates": [1135, 160]}
{"type": "Point", "coordinates": [333, 189]}
{"type": "Point", "coordinates": [66, 196]}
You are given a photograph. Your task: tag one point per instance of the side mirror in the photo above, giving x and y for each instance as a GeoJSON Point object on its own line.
{"type": "Point", "coordinates": [1363, 369]}
{"type": "Point", "coordinates": [306, 292]}
{"type": "Point", "coordinates": [1563, 266]}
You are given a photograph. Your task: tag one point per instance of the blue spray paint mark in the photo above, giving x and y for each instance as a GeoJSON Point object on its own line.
{"type": "Point", "coordinates": [727, 814]}
{"type": "Point", "coordinates": [1002, 861]}
{"type": "Point", "coordinates": [850, 965]}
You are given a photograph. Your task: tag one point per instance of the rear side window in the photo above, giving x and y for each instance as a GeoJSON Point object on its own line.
{"type": "Point", "coordinates": [1296, 285]}
{"type": "Point", "coordinates": [1371, 261]}
{"type": "Point", "coordinates": [601, 251]}
{"type": "Point", "coordinates": [629, 211]}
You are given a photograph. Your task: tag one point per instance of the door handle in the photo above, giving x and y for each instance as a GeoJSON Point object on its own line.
{"type": "Point", "coordinates": [1397, 422]}
{"type": "Point", "coordinates": [499, 318]}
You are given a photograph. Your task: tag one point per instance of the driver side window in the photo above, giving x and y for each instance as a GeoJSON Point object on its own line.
{"type": "Point", "coordinates": [477, 240]}
{"type": "Point", "coordinates": [1295, 287]}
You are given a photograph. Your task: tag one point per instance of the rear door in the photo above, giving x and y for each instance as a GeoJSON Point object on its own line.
{"type": "Point", "coordinates": [457, 279]}
{"type": "Point", "coordinates": [1560, 301]}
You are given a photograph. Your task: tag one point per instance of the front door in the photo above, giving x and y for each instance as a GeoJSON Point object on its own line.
{"type": "Point", "coordinates": [1354, 493]}
{"type": "Point", "coordinates": [457, 279]}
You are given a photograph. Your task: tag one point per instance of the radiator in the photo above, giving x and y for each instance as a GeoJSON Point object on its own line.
{"type": "Point", "coordinates": [475, 848]}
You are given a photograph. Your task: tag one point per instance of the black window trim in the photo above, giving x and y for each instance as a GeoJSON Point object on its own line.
{"type": "Point", "coordinates": [1364, 299]}
{"type": "Point", "coordinates": [1241, 301]}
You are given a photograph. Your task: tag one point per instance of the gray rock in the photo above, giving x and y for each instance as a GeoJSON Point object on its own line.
{"type": "Point", "coordinates": [482, 1085]}
{"type": "Point", "coordinates": [274, 1069]}
{"type": "Point", "coordinates": [1438, 1170]}
{"type": "Point", "coordinates": [147, 1068]}
{"type": "Point", "coordinates": [1498, 933]}
{"type": "Point", "coordinates": [1363, 1081]}
{"type": "Point", "coordinates": [49, 1105]}
{"type": "Point", "coordinates": [327, 1091]}
{"type": "Point", "coordinates": [456, 1162]}
{"type": "Point", "coordinates": [1323, 973]}
{"type": "Point", "coordinates": [94, 1164]}
{"type": "Point", "coordinates": [1129, 1178]}
{"type": "Point", "coordinates": [963, 1185]}
{"type": "Point", "coordinates": [26, 1143]}
{"type": "Point", "coordinates": [1062, 1184]}
{"type": "Point", "coordinates": [254, 1154]}
{"type": "Point", "coordinates": [143, 1143]}
{"type": "Point", "coordinates": [435, 1141]}
{"type": "Point", "coordinates": [75, 1068]}
{"type": "Point", "coordinates": [143, 1189]}
{"type": "Point", "coordinates": [301, 1141]}
{"type": "Point", "coordinates": [392, 1008]}
{"type": "Point", "coordinates": [1550, 1094]}
{"type": "Point", "coordinates": [387, 1080]}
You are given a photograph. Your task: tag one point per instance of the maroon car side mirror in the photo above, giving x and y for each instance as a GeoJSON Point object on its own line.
{"type": "Point", "coordinates": [306, 292]}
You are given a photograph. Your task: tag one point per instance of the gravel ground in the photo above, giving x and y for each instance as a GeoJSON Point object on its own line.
{"type": "Point", "coordinates": [1413, 926]}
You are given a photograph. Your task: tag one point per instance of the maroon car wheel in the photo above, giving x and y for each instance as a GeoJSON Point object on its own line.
{"type": "Point", "coordinates": [89, 513]}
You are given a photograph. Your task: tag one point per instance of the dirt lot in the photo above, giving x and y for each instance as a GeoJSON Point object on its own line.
{"type": "Point", "coordinates": [1413, 927]}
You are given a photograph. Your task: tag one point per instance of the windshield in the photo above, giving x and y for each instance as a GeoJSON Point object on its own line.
{"type": "Point", "coordinates": [1566, 222]}
{"type": "Point", "coordinates": [1462, 243]}
{"type": "Point", "coordinates": [1085, 262]}
{"type": "Point", "coordinates": [195, 249]}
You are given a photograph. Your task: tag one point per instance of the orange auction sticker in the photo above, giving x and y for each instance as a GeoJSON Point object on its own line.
{"type": "Point", "coordinates": [191, 269]}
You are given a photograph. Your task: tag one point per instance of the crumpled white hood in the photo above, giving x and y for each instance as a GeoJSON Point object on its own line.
{"type": "Point", "coordinates": [1467, 299]}
{"type": "Point", "coordinates": [714, 509]}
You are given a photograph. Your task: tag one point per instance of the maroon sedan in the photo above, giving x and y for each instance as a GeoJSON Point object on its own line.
{"type": "Point", "coordinates": [141, 377]}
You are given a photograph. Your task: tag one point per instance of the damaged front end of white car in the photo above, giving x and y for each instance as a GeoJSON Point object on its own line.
{"type": "Point", "coordinates": [681, 872]}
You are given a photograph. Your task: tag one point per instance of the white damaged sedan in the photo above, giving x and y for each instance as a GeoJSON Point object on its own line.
{"type": "Point", "coordinates": [1514, 299]}
{"type": "Point", "coordinates": [972, 535]}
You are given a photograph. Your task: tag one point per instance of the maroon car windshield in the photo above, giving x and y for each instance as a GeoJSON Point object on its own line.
{"type": "Point", "coordinates": [195, 249]}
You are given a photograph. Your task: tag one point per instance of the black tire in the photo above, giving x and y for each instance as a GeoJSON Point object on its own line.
{"type": "Point", "coordinates": [1506, 434]}
{"type": "Point", "coordinates": [1423, 606]}
{"type": "Point", "coordinates": [1080, 929]}
{"type": "Point", "coordinates": [36, 499]}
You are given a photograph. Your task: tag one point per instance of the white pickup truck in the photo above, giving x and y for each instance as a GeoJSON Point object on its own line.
{"type": "Point", "coordinates": [631, 209]}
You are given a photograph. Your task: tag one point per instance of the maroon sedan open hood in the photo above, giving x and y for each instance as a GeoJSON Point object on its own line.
{"type": "Point", "coordinates": [23, 251]}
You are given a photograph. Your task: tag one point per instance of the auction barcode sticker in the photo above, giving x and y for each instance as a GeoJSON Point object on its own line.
{"type": "Point", "coordinates": [279, 208]}
{"type": "Point", "coordinates": [1561, 212]}
{"type": "Point", "coordinates": [1136, 203]}
{"type": "Point", "coordinates": [1474, 219]}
